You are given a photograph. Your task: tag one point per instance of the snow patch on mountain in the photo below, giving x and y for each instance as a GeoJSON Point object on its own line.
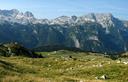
{"type": "Point", "coordinates": [14, 16]}
{"type": "Point", "coordinates": [76, 41]}
{"type": "Point", "coordinates": [93, 38]}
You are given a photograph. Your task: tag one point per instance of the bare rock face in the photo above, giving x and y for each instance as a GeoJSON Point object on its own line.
{"type": "Point", "coordinates": [100, 32]}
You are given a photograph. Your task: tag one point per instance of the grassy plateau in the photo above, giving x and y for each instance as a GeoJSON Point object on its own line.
{"type": "Point", "coordinates": [63, 66]}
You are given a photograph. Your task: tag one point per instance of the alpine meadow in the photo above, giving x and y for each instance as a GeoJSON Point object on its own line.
{"type": "Point", "coordinates": [63, 41]}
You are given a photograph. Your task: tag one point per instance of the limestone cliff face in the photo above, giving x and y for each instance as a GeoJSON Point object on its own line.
{"type": "Point", "coordinates": [93, 32]}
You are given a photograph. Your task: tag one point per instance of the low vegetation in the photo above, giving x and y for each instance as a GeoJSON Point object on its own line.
{"type": "Point", "coordinates": [15, 49]}
{"type": "Point", "coordinates": [63, 66]}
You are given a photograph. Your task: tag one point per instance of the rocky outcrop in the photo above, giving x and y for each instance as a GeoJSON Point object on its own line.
{"type": "Point", "coordinates": [14, 49]}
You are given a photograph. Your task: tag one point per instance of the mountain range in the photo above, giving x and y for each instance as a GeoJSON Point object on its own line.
{"type": "Point", "coordinates": [95, 32]}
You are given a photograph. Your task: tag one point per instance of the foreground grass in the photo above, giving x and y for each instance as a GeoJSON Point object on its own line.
{"type": "Point", "coordinates": [62, 66]}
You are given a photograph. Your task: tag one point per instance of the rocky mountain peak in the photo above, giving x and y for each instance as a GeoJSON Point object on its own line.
{"type": "Point", "coordinates": [61, 20]}
{"type": "Point", "coordinates": [9, 13]}
{"type": "Point", "coordinates": [104, 14]}
{"type": "Point", "coordinates": [105, 19]}
{"type": "Point", "coordinates": [14, 16]}
{"type": "Point", "coordinates": [28, 14]}
{"type": "Point", "coordinates": [14, 11]}
{"type": "Point", "coordinates": [91, 15]}
{"type": "Point", "coordinates": [74, 18]}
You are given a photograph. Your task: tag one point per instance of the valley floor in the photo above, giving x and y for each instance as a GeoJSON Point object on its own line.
{"type": "Point", "coordinates": [63, 66]}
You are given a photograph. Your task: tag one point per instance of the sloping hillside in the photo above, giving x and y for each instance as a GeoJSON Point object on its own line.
{"type": "Point", "coordinates": [63, 66]}
{"type": "Point", "coordinates": [15, 49]}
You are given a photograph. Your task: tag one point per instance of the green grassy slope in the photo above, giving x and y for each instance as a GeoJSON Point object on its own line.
{"type": "Point", "coordinates": [63, 66]}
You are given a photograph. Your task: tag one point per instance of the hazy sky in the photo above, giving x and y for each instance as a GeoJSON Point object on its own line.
{"type": "Point", "coordinates": [54, 8]}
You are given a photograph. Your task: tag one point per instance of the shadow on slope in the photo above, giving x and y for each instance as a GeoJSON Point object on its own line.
{"type": "Point", "coordinates": [15, 49]}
